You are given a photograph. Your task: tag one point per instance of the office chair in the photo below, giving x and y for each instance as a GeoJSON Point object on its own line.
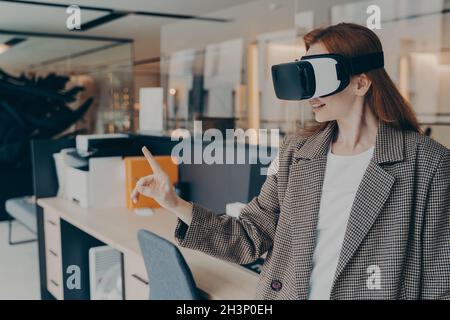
{"type": "Point", "coordinates": [23, 210]}
{"type": "Point", "coordinates": [169, 275]}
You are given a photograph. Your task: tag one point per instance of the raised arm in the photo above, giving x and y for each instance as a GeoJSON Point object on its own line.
{"type": "Point", "coordinates": [240, 240]}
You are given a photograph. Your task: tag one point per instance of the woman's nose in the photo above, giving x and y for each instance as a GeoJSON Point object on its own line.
{"type": "Point", "coordinates": [314, 101]}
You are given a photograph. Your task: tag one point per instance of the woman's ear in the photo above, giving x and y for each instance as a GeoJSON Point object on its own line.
{"type": "Point", "coordinates": [363, 84]}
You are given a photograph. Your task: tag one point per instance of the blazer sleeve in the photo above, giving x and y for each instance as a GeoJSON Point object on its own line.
{"type": "Point", "coordinates": [436, 235]}
{"type": "Point", "coordinates": [240, 240]}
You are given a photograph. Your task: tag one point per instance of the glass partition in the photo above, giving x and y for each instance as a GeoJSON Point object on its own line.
{"type": "Point", "coordinates": [416, 40]}
{"type": "Point", "coordinates": [220, 72]}
{"type": "Point", "coordinates": [102, 66]}
{"type": "Point", "coordinates": [221, 75]}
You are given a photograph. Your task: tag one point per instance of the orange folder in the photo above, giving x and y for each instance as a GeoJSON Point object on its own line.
{"type": "Point", "coordinates": [138, 167]}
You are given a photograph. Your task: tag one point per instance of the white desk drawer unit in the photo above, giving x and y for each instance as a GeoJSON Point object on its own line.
{"type": "Point", "coordinates": [53, 254]}
{"type": "Point", "coordinates": [54, 276]}
{"type": "Point", "coordinates": [136, 280]}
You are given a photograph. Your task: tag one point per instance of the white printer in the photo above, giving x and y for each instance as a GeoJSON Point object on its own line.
{"type": "Point", "coordinates": [95, 171]}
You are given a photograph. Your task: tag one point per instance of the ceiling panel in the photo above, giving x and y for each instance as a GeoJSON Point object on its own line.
{"type": "Point", "coordinates": [143, 29]}
{"type": "Point", "coordinates": [4, 38]}
{"type": "Point", "coordinates": [35, 51]}
{"type": "Point", "coordinates": [145, 32]}
{"type": "Point", "coordinates": [20, 17]}
{"type": "Point", "coordinates": [189, 7]}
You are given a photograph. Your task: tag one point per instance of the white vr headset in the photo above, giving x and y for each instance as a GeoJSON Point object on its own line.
{"type": "Point", "coordinates": [320, 75]}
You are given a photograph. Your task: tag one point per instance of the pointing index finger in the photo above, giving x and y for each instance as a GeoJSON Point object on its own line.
{"type": "Point", "coordinates": [151, 160]}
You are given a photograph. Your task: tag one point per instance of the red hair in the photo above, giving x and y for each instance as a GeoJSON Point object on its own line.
{"type": "Point", "coordinates": [383, 97]}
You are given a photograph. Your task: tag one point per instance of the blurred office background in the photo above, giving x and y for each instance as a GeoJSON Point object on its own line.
{"type": "Point", "coordinates": [228, 64]}
{"type": "Point", "coordinates": [213, 58]}
{"type": "Point", "coordinates": [210, 59]}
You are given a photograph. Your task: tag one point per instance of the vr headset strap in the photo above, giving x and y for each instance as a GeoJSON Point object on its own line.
{"type": "Point", "coordinates": [366, 62]}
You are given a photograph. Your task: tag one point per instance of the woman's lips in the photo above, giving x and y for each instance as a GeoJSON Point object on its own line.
{"type": "Point", "coordinates": [317, 107]}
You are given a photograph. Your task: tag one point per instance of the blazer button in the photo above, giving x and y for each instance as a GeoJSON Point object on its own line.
{"type": "Point", "coordinates": [276, 285]}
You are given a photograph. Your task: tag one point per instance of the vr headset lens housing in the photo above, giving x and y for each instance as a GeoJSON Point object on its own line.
{"type": "Point", "coordinates": [295, 80]}
{"type": "Point", "coordinates": [320, 75]}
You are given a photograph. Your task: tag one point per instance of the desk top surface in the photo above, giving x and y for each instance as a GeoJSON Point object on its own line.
{"type": "Point", "coordinates": [118, 228]}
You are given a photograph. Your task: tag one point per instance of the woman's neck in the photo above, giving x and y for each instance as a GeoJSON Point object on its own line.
{"type": "Point", "coordinates": [356, 134]}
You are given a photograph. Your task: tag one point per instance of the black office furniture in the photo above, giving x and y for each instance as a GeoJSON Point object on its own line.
{"type": "Point", "coordinates": [45, 184]}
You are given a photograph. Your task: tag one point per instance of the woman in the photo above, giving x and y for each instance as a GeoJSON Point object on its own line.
{"type": "Point", "coordinates": [359, 206]}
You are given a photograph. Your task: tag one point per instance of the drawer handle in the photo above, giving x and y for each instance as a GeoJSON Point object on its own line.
{"type": "Point", "coordinates": [53, 252]}
{"type": "Point", "coordinates": [140, 279]}
{"type": "Point", "coordinates": [54, 283]}
{"type": "Point", "coordinates": [51, 222]}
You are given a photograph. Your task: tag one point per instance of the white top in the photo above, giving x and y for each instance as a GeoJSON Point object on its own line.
{"type": "Point", "coordinates": [343, 175]}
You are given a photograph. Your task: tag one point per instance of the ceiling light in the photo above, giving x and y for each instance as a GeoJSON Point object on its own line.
{"type": "Point", "coordinates": [4, 48]}
{"type": "Point", "coordinates": [275, 6]}
{"type": "Point", "coordinates": [10, 43]}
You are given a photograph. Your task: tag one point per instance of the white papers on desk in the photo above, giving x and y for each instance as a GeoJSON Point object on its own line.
{"type": "Point", "coordinates": [223, 75]}
{"type": "Point", "coordinates": [151, 109]}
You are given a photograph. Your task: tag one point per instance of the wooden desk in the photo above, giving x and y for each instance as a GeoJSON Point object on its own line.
{"type": "Point", "coordinates": [118, 228]}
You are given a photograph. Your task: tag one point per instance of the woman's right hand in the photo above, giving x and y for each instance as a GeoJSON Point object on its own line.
{"type": "Point", "coordinates": [158, 186]}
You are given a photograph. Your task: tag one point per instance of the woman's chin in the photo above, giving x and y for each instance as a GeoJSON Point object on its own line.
{"type": "Point", "coordinates": [320, 118]}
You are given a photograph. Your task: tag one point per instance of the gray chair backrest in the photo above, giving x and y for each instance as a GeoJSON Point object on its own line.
{"type": "Point", "coordinates": [168, 273]}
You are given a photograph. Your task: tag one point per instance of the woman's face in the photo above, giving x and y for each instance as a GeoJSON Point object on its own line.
{"type": "Point", "coordinates": [339, 105]}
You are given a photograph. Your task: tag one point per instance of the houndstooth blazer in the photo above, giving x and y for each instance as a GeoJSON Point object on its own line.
{"type": "Point", "coordinates": [397, 242]}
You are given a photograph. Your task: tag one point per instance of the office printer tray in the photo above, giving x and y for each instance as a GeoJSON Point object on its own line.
{"type": "Point", "coordinates": [74, 160]}
{"type": "Point", "coordinates": [114, 147]}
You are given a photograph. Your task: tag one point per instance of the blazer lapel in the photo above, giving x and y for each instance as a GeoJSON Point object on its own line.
{"type": "Point", "coordinates": [304, 191]}
{"type": "Point", "coordinates": [372, 193]}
